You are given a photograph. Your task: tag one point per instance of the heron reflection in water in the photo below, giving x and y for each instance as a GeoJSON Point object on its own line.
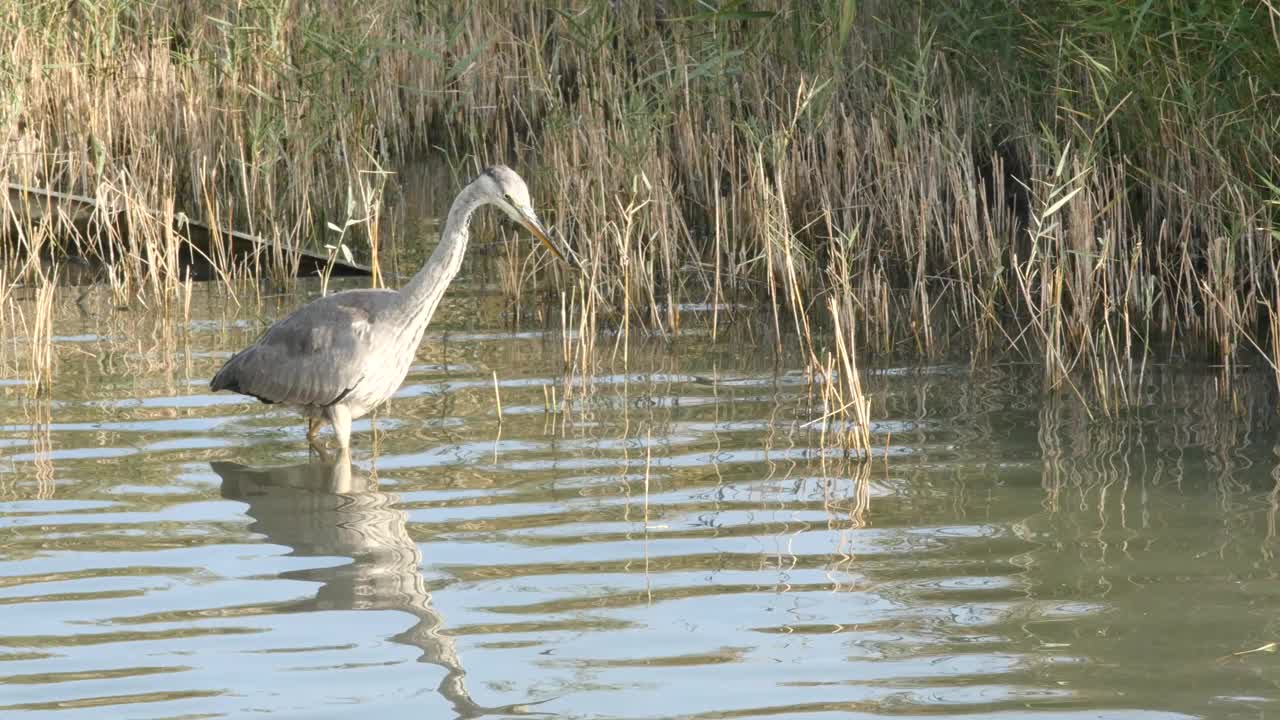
{"type": "Point", "coordinates": [327, 509]}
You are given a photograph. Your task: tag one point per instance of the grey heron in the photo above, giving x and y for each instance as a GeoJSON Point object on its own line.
{"type": "Point", "coordinates": [338, 357]}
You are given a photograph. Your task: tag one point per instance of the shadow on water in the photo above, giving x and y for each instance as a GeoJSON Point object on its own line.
{"type": "Point", "coordinates": [321, 509]}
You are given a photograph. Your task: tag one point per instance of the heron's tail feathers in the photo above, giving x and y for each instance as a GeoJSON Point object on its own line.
{"type": "Point", "coordinates": [228, 378]}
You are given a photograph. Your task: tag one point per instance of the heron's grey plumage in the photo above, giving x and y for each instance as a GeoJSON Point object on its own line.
{"type": "Point", "coordinates": [338, 357]}
{"type": "Point", "coordinates": [320, 345]}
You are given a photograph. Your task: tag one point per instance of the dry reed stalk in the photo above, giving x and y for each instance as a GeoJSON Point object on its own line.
{"type": "Point", "coordinates": [39, 340]}
{"type": "Point", "coordinates": [855, 410]}
{"type": "Point", "coordinates": [1074, 224]}
{"type": "Point", "coordinates": [497, 397]}
{"type": "Point", "coordinates": [1273, 320]}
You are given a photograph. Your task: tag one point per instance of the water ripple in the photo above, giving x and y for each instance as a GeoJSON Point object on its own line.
{"type": "Point", "coordinates": [669, 541]}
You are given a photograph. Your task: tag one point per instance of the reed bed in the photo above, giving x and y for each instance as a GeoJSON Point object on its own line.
{"type": "Point", "coordinates": [1082, 185]}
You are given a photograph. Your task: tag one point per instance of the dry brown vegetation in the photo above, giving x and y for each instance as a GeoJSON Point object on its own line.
{"type": "Point", "coordinates": [1084, 187]}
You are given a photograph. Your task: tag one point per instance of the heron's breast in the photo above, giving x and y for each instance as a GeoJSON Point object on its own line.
{"type": "Point", "coordinates": [386, 370]}
{"type": "Point", "coordinates": [379, 385]}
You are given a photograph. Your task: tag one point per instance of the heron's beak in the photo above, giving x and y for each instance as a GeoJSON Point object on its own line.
{"type": "Point", "coordinates": [535, 228]}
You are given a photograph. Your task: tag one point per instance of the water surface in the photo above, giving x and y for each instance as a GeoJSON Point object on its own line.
{"type": "Point", "coordinates": [670, 544]}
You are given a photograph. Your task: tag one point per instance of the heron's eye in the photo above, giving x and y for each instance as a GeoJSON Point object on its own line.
{"type": "Point", "coordinates": [510, 202]}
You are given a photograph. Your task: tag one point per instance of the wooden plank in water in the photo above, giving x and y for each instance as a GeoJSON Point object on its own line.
{"type": "Point", "coordinates": [34, 204]}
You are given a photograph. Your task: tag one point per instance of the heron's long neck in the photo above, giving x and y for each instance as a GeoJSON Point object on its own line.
{"type": "Point", "coordinates": [422, 295]}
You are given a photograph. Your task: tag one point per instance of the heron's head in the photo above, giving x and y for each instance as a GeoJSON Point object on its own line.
{"type": "Point", "coordinates": [501, 186]}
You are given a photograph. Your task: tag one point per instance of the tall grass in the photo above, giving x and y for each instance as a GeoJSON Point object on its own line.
{"type": "Point", "coordinates": [1086, 185]}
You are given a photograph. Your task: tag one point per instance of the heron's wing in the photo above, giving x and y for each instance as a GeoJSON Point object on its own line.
{"type": "Point", "coordinates": [315, 356]}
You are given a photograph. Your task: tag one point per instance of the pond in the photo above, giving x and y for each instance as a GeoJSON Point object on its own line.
{"type": "Point", "coordinates": [671, 544]}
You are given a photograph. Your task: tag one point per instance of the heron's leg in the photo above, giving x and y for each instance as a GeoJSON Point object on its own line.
{"type": "Point", "coordinates": [313, 430]}
{"type": "Point", "coordinates": [340, 416]}
{"type": "Point", "coordinates": [313, 427]}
